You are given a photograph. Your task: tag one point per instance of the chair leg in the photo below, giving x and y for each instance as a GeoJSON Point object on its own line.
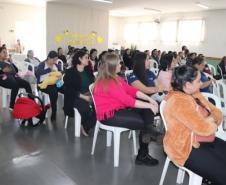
{"type": "Point", "coordinates": [95, 137]}
{"type": "Point", "coordinates": [130, 134]}
{"type": "Point", "coordinates": [116, 148]}
{"type": "Point", "coordinates": [166, 165]}
{"type": "Point", "coordinates": [180, 176]}
{"type": "Point", "coordinates": [109, 138]}
{"type": "Point", "coordinates": [66, 121]}
{"type": "Point", "coordinates": [77, 123]}
{"type": "Point", "coordinates": [194, 179]}
{"type": "Point", "coordinates": [134, 142]}
{"type": "Point", "coordinates": [4, 98]}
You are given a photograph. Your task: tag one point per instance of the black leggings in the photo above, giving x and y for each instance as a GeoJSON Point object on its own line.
{"type": "Point", "coordinates": [15, 83]}
{"type": "Point", "coordinates": [87, 114]}
{"type": "Point", "coordinates": [52, 91]}
{"type": "Point", "coordinates": [209, 161]}
{"type": "Point", "coordinates": [141, 119]}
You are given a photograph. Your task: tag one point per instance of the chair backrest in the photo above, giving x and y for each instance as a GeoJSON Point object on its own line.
{"type": "Point", "coordinates": [30, 66]}
{"type": "Point", "coordinates": [95, 74]}
{"type": "Point", "coordinates": [61, 64]}
{"type": "Point", "coordinates": [162, 106]}
{"type": "Point", "coordinates": [212, 69]}
{"type": "Point", "coordinates": [216, 100]}
{"type": "Point", "coordinates": [127, 73]}
{"type": "Point", "coordinates": [155, 71]}
{"type": "Point", "coordinates": [91, 86]}
{"type": "Point", "coordinates": [221, 73]}
{"type": "Point", "coordinates": [220, 131]}
{"type": "Point", "coordinates": [221, 90]}
{"type": "Point", "coordinates": [154, 64]}
{"type": "Point", "coordinates": [18, 57]}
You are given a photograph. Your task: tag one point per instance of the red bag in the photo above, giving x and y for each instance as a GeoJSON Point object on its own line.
{"type": "Point", "coordinates": [25, 108]}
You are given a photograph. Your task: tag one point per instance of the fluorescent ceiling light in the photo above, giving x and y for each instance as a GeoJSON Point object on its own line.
{"type": "Point", "coordinates": [202, 6]}
{"type": "Point", "coordinates": [103, 1]}
{"type": "Point", "coordinates": [152, 10]}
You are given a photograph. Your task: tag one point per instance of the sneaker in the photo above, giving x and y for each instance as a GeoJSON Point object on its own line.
{"type": "Point", "coordinates": [146, 160]}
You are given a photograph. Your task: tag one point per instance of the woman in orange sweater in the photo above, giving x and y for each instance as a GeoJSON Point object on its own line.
{"type": "Point", "coordinates": [193, 116]}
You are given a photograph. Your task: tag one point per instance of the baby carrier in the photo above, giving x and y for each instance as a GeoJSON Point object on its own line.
{"type": "Point", "coordinates": [26, 108]}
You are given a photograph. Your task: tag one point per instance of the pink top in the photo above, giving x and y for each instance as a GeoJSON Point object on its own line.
{"type": "Point", "coordinates": [165, 78]}
{"type": "Point", "coordinates": [114, 97]}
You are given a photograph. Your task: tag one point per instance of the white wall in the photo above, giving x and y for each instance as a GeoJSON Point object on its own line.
{"type": "Point", "coordinates": [215, 29]}
{"type": "Point", "coordinates": [34, 16]}
{"type": "Point", "coordinates": [76, 19]}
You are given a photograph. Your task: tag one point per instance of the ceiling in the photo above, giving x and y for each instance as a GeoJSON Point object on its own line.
{"type": "Point", "coordinates": [136, 7]}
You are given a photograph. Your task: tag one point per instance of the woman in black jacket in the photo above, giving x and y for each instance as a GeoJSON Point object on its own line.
{"type": "Point", "coordinates": [76, 93]}
{"type": "Point", "coordinates": [9, 78]}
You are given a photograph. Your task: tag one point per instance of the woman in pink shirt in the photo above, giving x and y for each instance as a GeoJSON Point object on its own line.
{"type": "Point", "coordinates": [113, 96]}
{"type": "Point", "coordinates": [167, 64]}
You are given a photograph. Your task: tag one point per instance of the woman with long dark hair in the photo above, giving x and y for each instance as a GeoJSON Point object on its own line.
{"type": "Point", "coordinates": [76, 83]}
{"type": "Point", "coordinates": [141, 77]}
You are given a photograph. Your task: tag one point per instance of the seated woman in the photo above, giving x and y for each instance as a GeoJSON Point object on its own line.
{"type": "Point", "coordinates": [112, 96]}
{"type": "Point", "coordinates": [93, 59]}
{"type": "Point", "coordinates": [142, 78]}
{"type": "Point", "coordinates": [31, 59]}
{"type": "Point", "coordinates": [76, 82]}
{"type": "Point", "coordinates": [222, 67]}
{"type": "Point", "coordinates": [9, 78]}
{"type": "Point", "coordinates": [199, 64]}
{"type": "Point", "coordinates": [188, 115]}
{"type": "Point", "coordinates": [167, 63]}
{"type": "Point", "coordinates": [43, 71]}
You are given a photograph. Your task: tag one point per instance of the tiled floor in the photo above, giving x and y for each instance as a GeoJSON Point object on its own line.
{"type": "Point", "coordinates": [51, 155]}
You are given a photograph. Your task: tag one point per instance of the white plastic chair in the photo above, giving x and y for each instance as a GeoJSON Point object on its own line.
{"type": "Point", "coordinates": [221, 73]}
{"type": "Point", "coordinates": [31, 66]}
{"type": "Point", "coordinates": [220, 131]}
{"type": "Point", "coordinates": [45, 99]}
{"type": "Point", "coordinates": [5, 94]}
{"type": "Point", "coordinates": [127, 73]}
{"type": "Point", "coordinates": [154, 64]}
{"type": "Point", "coordinates": [194, 179]}
{"type": "Point", "coordinates": [77, 119]}
{"type": "Point", "coordinates": [221, 92]}
{"type": "Point", "coordinates": [212, 69]}
{"type": "Point", "coordinates": [116, 134]}
{"type": "Point", "coordinates": [60, 62]}
{"type": "Point", "coordinates": [18, 57]}
{"type": "Point", "coordinates": [154, 67]}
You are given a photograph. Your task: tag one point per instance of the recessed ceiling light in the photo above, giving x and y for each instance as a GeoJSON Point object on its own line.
{"type": "Point", "coordinates": [202, 6]}
{"type": "Point", "coordinates": [104, 1]}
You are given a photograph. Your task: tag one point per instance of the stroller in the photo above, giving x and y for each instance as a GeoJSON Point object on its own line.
{"type": "Point", "coordinates": [26, 108]}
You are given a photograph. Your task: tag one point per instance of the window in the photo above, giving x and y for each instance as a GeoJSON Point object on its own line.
{"type": "Point", "coordinates": [168, 32]}
{"type": "Point", "coordinates": [147, 31]}
{"type": "Point", "coordinates": [131, 33]}
{"type": "Point", "coordinates": [191, 31]}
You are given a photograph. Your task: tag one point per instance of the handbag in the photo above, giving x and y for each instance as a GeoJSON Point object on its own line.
{"type": "Point", "coordinates": [205, 112]}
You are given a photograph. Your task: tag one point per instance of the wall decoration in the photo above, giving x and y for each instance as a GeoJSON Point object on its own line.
{"type": "Point", "coordinates": [79, 39]}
